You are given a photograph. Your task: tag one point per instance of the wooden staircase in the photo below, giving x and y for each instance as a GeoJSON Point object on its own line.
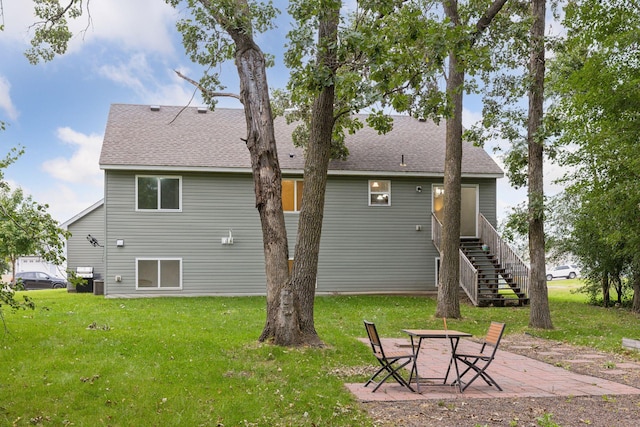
{"type": "Point", "coordinates": [491, 273]}
{"type": "Point", "coordinates": [496, 285]}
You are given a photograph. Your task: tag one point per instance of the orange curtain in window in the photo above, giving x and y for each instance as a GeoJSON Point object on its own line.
{"type": "Point", "coordinates": [288, 201]}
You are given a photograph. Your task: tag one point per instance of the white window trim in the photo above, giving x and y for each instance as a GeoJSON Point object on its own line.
{"type": "Point", "coordinates": [147, 288]}
{"type": "Point", "coordinates": [159, 209]}
{"type": "Point", "coordinates": [369, 192]}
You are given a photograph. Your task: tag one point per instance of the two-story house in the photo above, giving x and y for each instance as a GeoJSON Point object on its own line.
{"type": "Point", "coordinates": [179, 217]}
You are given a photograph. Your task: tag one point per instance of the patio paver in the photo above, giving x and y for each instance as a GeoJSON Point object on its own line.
{"type": "Point", "coordinates": [519, 376]}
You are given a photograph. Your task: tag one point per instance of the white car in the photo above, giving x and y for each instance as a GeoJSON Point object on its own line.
{"type": "Point", "coordinates": [567, 271]}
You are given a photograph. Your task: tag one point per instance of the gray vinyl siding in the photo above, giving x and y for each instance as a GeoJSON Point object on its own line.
{"type": "Point", "coordinates": [212, 204]}
{"type": "Point", "coordinates": [364, 249]}
{"type": "Point", "coordinates": [80, 253]}
{"type": "Point", "coordinates": [488, 196]}
{"type": "Point", "coordinates": [376, 248]}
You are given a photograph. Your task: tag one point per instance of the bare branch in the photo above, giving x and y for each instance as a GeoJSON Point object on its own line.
{"type": "Point", "coordinates": [208, 92]}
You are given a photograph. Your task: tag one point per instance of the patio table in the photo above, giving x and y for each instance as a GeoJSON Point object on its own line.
{"type": "Point", "coordinates": [417, 336]}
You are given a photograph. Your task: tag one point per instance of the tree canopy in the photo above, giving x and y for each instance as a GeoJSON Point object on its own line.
{"type": "Point", "coordinates": [595, 83]}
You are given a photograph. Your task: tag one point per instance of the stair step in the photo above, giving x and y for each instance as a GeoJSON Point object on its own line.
{"type": "Point", "coordinates": [496, 285]}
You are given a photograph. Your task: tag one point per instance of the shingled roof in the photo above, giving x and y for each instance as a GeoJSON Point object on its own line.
{"type": "Point", "coordinates": [170, 138]}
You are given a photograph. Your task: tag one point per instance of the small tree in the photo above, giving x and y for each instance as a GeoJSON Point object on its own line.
{"type": "Point", "coordinates": [27, 229]}
{"type": "Point", "coordinates": [7, 295]}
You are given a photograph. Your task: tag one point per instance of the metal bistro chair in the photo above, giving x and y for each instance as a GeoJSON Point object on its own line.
{"type": "Point", "coordinates": [391, 361]}
{"type": "Point", "coordinates": [479, 362]}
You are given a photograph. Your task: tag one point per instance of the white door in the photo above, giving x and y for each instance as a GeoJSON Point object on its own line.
{"type": "Point", "coordinates": [468, 208]}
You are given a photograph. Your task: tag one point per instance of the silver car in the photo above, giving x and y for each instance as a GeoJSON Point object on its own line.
{"type": "Point", "coordinates": [566, 271]}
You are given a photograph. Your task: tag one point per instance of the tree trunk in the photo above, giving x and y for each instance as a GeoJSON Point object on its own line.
{"type": "Point", "coordinates": [449, 278]}
{"type": "Point", "coordinates": [617, 285]}
{"type": "Point", "coordinates": [540, 314]}
{"type": "Point", "coordinates": [318, 154]}
{"type": "Point", "coordinates": [254, 94]}
{"type": "Point", "coordinates": [635, 276]}
{"type": "Point", "coordinates": [606, 286]}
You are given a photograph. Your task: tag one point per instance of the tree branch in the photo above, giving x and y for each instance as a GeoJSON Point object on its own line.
{"type": "Point", "coordinates": [486, 19]}
{"type": "Point", "coordinates": [208, 92]}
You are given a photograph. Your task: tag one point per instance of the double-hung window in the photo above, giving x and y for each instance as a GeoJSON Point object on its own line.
{"type": "Point", "coordinates": [158, 193]}
{"type": "Point", "coordinates": [292, 194]}
{"type": "Point", "coordinates": [161, 273]}
{"type": "Point", "coordinates": [379, 193]}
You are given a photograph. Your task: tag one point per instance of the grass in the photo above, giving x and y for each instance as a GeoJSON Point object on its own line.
{"type": "Point", "coordinates": [85, 360]}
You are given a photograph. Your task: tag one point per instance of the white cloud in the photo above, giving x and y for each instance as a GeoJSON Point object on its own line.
{"type": "Point", "coordinates": [82, 167]}
{"type": "Point", "coordinates": [142, 24]}
{"type": "Point", "coordinates": [129, 75]}
{"type": "Point", "coordinates": [470, 118]}
{"type": "Point", "coordinates": [138, 75]}
{"type": "Point", "coordinates": [64, 201]}
{"type": "Point", "coordinates": [6, 103]}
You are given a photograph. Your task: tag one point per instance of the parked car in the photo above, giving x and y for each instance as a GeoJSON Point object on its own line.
{"type": "Point", "coordinates": [39, 280]}
{"type": "Point", "coordinates": [566, 271]}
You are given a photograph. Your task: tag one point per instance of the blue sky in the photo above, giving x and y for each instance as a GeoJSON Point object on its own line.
{"type": "Point", "coordinates": [57, 111]}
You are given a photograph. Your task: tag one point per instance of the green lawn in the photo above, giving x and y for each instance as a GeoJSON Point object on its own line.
{"type": "Point", "coordinates": [84, 360]}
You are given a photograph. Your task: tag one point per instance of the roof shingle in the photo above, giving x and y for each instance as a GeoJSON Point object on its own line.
{"type": "Point", "coordinates": [175, 139]}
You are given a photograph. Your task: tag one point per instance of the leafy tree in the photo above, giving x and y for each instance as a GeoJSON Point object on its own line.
{"type": "Point", "coordinates": [27, 229]}
{"type": "Point", "coordinates": [7, 295]}
{"type": "Point", "coordinates": [504, 117]}
{"type": "Point", "coordinates": [214, 32]}
{"type": "Point", "coordinates": [461, 60]}
{"type": "Point", "coordinates": [595, 80]}
{"type": "Point", "coordinates": [425, 38]}
{"type": "Point", "coordinates": [222, 30]}
{"type": "Point", "coordinates": [328, 84]}
{"type": "Point", "coordinates": [320, 126]}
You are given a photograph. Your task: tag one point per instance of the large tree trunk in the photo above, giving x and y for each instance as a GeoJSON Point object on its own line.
{"type": "Point", "coordinates": [540, 314]}
{"type": "Point", "coordinates": [254, 94]}
{"type": "Point", "coordinates": [318, 154]}
{"type": "Point", "coordinates": [449, 280]}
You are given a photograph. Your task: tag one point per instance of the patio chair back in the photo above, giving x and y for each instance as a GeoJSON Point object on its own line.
{"type": "Point", "coordinates": [391, 362]}
{"type": "Point", "coordinates": [478, 363]}
{"type": "Point", "coordinates": [494, 335]}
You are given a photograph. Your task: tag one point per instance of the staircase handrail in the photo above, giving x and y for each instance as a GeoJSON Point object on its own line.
{"type": "Point", "coordinates": [506, 256]}
{"type": "Point", "coordinates": [468, 273]}
{"type": "Point", "coordinates": [436, 231]}
{"type": "Point", "coordinates": [468, 278]}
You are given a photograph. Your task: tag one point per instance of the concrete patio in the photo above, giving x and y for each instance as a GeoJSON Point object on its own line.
{"type": "Point", "coordinates": [518, 376]}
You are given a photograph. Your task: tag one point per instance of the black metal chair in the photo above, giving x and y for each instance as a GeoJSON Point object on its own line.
{"type": "Point", "coordinates": [391, 361]}
{"type": "Point", "coordinates": [479, 362]}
